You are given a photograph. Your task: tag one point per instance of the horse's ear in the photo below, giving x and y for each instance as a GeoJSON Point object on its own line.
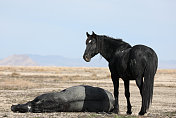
{"type": "Point", "coordinates": [93, 34]}
{"type": "Point", "coordinates": [87, 34]}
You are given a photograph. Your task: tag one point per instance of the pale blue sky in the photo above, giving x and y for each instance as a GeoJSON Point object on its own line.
{"type": "Point", "coordinates": [58, 27]}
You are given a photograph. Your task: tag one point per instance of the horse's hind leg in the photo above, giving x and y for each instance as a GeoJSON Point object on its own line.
{"type": "Point", "coordinates": [139, 83]}
{"type": "Point", "coordinates": [147, 91]}
{"type": "Point", "coordinates": [127, 95]}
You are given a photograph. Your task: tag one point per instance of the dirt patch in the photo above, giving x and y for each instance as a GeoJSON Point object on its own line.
{"type": "Point", "coordinates": [22, 84]}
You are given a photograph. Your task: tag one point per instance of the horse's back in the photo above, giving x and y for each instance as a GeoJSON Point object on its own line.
{"type": "Point", "coordinates": [142, 52]}
{"type": "Point", "coordinates": [142, 57]}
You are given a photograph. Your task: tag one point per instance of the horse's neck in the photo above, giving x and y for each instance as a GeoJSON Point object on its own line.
{"type": "Point", "coordinates": [108, 49]}
{"type": "Point", "coordinates": [106, 56]}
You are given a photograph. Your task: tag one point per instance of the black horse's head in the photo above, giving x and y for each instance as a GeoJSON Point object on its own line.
{"type": "Point", "coordinates": [91, 47]}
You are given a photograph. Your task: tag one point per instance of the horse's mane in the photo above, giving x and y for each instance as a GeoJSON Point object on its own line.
{"type": "Point", "coordinates": [114, 42]}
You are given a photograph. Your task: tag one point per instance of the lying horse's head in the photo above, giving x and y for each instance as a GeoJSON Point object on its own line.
{"type": "Point", "coordinates": [91, 47]}
{"type": "Point", "coordinates": [22, 108]}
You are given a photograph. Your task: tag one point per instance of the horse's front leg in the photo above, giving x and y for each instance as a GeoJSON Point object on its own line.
{"type": "Point", "coordinates": [116, 93]}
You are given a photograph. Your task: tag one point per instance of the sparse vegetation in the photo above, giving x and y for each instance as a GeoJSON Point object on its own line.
{"type": "Point", "coordinates": [170, 114]}
{"type": "Point", "coordinates": [22, 84]}
{"type": "Point", "coordinates": [105, 115]}
{"type": "Point", "coordinates": [15, 74]}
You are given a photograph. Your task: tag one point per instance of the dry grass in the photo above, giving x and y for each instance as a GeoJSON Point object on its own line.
{"type": "Point", "coordinates": [16, 84]}
{"type": "Point", "coordinates": [33, 77]}
{"type": "Point", "coordinates": [21, 84]}
{"type": "Point", "coordinates": [167, 71]}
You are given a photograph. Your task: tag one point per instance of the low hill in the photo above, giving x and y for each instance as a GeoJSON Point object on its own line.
{"type": "Point", "coordinates": [18, 60]}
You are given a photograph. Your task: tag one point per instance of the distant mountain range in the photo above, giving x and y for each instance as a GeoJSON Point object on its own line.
{"type": "Point", "coordinates": [50, 60]}
{"type": "Point", "coordinates": [54, 60]}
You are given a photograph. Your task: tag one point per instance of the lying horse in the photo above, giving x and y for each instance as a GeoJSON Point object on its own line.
{"type": "Point", "coordinates": [73, 99]}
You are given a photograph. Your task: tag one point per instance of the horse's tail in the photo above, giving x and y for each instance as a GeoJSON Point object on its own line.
{"type": "Point", "coordinates": [147, 89]}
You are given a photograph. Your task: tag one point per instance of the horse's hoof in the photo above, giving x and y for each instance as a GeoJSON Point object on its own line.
{"type": "Point", "coordinates": [129, 112]}
{"type": "Point", "coordinates": [116, 111]}
{"type": "Point", "coordinates": [13, 108]}
{"type": "Point", "coordinates": [142, 113]}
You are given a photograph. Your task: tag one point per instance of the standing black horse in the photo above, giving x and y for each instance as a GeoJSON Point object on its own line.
{"type": "Point", "coordinates": [129, 63]}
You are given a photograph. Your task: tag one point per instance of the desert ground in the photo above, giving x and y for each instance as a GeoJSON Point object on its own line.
{"type": "Point", "coordinates": [22, 84]}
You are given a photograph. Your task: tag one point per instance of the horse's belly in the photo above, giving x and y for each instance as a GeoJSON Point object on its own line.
{"type": "Point", "coordinates": [75, 106]}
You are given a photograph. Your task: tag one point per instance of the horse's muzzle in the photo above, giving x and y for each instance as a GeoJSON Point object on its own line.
{"type": "Point", "coordinates": [86, 58]}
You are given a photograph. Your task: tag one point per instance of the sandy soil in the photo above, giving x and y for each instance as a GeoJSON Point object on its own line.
{"type": "Point", "coordinates": [22, 84]}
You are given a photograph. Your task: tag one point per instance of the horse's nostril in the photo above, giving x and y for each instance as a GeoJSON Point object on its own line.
{"type": "Point", "coordinates": [86, 56]}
